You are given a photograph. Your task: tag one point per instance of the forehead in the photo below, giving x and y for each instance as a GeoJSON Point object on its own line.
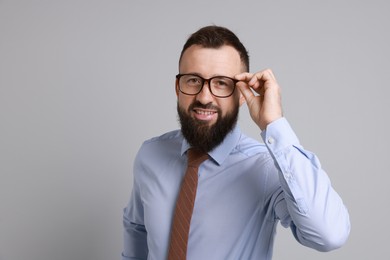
{"type": "Point", "coordinates": [210, 61]}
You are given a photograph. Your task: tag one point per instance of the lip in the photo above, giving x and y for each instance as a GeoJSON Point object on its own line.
{"type": "Point", "coordinates": [205, 114]}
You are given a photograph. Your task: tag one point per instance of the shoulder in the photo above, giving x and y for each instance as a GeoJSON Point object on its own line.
{"type": "Point", "coordinates": [171, 136]}
{"type": "Point", "coordinates": [251, 147]}
{"type": "Point", "coordinates": [157, 154]}
{"type": "Point", "coordinates": [158, 146]}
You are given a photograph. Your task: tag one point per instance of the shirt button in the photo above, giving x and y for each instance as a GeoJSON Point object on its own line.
{"type": "Point", "coordinates": [271, 140]}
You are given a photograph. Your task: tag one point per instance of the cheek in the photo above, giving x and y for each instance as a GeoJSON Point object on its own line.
{"type": "Point", "coordinates": [227, 106]}
{"type": "Point", "coordinates": [184, 101]}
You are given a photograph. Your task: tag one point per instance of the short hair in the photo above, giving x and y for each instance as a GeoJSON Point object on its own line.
{"type": "Point", "coordinates": [215, 37]}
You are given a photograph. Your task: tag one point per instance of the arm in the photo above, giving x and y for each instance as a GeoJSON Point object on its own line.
{"type": "Point", "coordinates": [135, 235]}
{"type": "Point", "coordinates": [311, 207]}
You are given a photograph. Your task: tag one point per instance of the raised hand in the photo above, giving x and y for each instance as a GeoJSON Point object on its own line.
{"type": "Point", "coordinates": [262, 95]}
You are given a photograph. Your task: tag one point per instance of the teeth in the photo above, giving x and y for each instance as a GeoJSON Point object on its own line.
{"type": "Point", "coordinates": [204, 112]}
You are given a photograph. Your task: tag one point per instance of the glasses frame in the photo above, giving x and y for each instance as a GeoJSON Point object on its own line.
{"type": "Point", "coordinates": [178, 76]}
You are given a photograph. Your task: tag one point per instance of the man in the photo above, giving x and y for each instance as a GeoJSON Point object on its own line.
{"type": "Point", "coordinates": [244, 188]}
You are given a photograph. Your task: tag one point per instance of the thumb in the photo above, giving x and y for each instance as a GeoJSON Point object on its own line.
{"type": "Point", "coordinates": [245, 91]}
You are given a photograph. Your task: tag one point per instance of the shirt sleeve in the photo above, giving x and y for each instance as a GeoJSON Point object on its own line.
{"type": "Point", "coordinates": [311, 207]}
{"type": "Point", "coordinates": [135, 235]}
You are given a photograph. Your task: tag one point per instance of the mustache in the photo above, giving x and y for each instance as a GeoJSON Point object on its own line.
{"type": "Point", "coordinates": [197, 104]}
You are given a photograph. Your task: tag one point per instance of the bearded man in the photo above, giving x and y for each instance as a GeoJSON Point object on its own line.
{"type": "Point", "coordinates": [226, 203]}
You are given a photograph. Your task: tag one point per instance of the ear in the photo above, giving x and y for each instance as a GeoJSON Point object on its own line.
{"type": "Point", "coordinates": [177, 87]}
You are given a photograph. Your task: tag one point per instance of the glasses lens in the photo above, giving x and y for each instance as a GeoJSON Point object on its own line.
{"type": "Point", "coordinates": [190, 84]}
{"type": "Point", "coordinates": [222, 86]}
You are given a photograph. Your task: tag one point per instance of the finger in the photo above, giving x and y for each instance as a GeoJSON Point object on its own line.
{"type": "Point", "coordinates": [245, 91]}
{"type": "Point", "coordinates": [255, 81]}
{"type": "Point", "coordinates": [265, 75]}
{"type": "Point", "coordinates": [271, 74]}
{"type": "Point", "coordinates": [246, 76]}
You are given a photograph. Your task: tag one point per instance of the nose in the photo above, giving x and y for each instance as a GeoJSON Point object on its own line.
{"type": "Point", "coordinates": [205, 96]}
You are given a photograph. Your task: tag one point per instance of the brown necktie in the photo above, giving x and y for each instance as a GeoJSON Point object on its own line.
{"type": "Point", "coordinates": [184, 207]}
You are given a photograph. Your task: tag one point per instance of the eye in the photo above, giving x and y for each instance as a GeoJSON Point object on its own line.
{"type": "Point", "coordinates": [221, 82]}
{"type": "Point", "coordinates": [193, 80]}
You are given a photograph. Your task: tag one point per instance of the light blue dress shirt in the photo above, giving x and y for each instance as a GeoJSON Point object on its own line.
{"type": "Point", "coordinates": [244, 190]}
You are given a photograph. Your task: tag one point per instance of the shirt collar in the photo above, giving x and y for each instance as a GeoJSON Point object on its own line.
{"type": "Point", "coordinates": [222, 151]}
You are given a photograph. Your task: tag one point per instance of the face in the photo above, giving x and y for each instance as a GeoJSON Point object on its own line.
{"type": "Point", "coordinates": [206, 119]}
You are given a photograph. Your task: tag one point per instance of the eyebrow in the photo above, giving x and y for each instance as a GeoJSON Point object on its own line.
{"type": "Point", "coordinates": [212, 76]}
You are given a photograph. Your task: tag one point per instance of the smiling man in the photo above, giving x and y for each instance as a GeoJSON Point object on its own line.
{"type": "Point", "coordinates": [209, 192]}
{"type": "Point", "coordinates": [206, 119]}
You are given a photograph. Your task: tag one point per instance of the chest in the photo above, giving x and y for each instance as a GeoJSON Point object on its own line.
{"type": "Point", "coordinates": [227, 197]}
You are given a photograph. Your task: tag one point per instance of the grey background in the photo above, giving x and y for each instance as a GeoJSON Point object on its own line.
{"type": "Point", "coordinates": [83, 83]}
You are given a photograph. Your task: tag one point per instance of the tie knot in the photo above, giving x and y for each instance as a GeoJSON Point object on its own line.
{"type": "Point", "coordinates": [196, 157]}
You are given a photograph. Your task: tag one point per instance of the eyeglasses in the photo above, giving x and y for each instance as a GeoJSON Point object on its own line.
{"type": "Point", "coordinates": [219, 86]}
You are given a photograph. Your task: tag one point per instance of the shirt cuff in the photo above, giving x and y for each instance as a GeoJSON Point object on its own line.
{"type": "Point", "coordinates": [279, 135]}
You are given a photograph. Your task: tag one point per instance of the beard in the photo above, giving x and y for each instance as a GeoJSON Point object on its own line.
{"type": "Point", "coordinates": [201, 135]}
